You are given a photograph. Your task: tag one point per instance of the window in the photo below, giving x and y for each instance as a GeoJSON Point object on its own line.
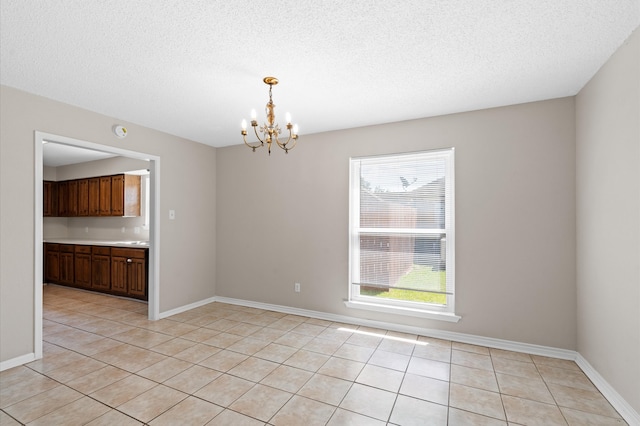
{"type": "Point", "coordinates": [402, 233]}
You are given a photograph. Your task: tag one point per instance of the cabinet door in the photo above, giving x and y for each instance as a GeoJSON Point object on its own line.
{"type": "Point", "coordinates": [66, 265]}
{"type": "Point", "coordinates": [117, 195]}
{"type": "Point", "coordinates": [63, 198]}
{"type": "Point", "coordinates": [51, 263]}
{"type": "Point", "coordinates": [94, 197]}
{"type": "Point", "coordinates": [137, 278]}
{"type": "Point", "coordinates": [72, 198]}
{"type": "Point", "coordinates": [132, 195]}
{"type": "Point", "coordinates": [100, 272]}
{"type": "Point", "coordinates": [82, 266]}
{"type": "Point", "coordinates": [119, 272]}
{"type": "Point", "coordinates": [49, 198]}
{"type": "Point", "coordinates": [83, 197]}
{"type": "Point", "coordinates": [105, 196]}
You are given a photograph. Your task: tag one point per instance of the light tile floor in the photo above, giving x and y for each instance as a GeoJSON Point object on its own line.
{"type": "Point", "coordinates": [106, 364]}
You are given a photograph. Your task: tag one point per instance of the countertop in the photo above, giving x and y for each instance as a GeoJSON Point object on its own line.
{"type": "Point", "coordinates": [114, 243]}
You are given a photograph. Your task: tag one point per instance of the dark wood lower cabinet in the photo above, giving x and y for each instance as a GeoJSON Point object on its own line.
{"type": "Point", "coordinates": [51, 263]}
{"type": "Point", "coordinates": [129, 272]}
{"type": "Point", "coordinates": [101, 268]}
{"type": "Point", "coordinates": [119, 275]}
{"type": "Point", "coordinates": [82, 266]}
{"type": "Point", "coordinates": [67, 275]}
{"type": "Point", "coordinates": [113, 270]}
{"type": "Point", "coordinates": [137, 278]}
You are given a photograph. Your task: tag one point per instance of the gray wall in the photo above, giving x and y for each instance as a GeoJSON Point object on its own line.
{"type": "Point", "coordinates": [608, 221]}
{"type": "Point", "coordinates": [187, 180]}
{"type": "Point", "coordinates": [284, 219]}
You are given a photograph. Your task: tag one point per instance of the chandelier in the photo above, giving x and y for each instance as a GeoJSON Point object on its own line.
{"type": "Point", "coordinates": [270, 130]}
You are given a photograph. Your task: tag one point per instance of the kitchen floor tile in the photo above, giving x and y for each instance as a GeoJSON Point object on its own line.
{"type": "Point", "coordinates": [224, 390]}
{"type": "Point", "coordinates": [416, 412]}
{"type": "Point", "coordinates": [426, 388]}
{"type": "Point", "coordinates": [302, 411]}
{"type": "Point", "coordinates": [261, 402]}
{"type": "Point", "coordinates": [368, 401]}
{"type": "Point", "coordinates": [476, 400]}
{"type": "Point", "coordinates": [152, 403]}
{"type": "Point", "coordinates": [529, 412]}
{"type": "Point", "coordinates": [192, 379]}
{"type": "Point", "coordinates": [190, 411]}
{"type": "Point", "coordinates": [289, 379]}
{"type": "Point", "coordinates": [79, 412]}
{"type": "Point", "coordinates": [326, 389]}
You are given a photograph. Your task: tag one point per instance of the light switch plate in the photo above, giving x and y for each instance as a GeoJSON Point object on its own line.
{"type": "Point", "coordinates": [172, 214]}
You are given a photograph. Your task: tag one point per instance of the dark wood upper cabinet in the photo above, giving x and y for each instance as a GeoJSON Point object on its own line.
{"type": "Point", "coordinates": [117, 195]}
{"type": "Point", "coordinates": [72, 198]}
{"type": "Point", "coordinates": [105, 196]}
{"type": "Point", "coordinates": [63, 198]}
{"type": "Point", "coordinates": [83, 197]}
{"type": "Point", "coordinates": [50, 198]}
{"type": "Point", "coordinates": [94, 196]}
{"type": "Point", "coordinates": [125, 195]}
{"type": "Point", "coordinates": [117, 201]}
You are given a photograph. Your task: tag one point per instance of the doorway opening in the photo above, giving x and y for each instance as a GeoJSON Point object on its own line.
{"type": "Point", "coordinates": [154, 222]}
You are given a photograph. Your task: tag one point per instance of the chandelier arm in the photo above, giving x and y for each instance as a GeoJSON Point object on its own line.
{"type": "Point", "coordinates": [255, 130]}
{"type": "Point", "coordinates": [283, 145]}
{"type": "Point", "coordinates": [253, 147]}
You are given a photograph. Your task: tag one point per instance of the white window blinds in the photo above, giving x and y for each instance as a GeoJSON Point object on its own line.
{"type": "Point", "coordinates": [402, 228]}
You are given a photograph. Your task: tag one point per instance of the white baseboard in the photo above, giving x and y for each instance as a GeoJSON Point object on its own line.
{"type": "Point", "coordinates": [14, 362]}
{"type": "Point", "coordinates": [617, 401]}
{"type": "Point", "coordinates": [623, 408]}
{"type": "Point", "coordinates": [185, 308]}
{"type": "Point", "coordinates": [439, 334]}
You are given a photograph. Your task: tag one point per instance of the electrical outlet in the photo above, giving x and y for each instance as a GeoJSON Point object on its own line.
{"type": "Point", "coordinates": [296, 287]}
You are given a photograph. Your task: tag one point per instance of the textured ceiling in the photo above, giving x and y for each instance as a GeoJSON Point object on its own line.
{"type": "Point", "coordinates": [194, 68]}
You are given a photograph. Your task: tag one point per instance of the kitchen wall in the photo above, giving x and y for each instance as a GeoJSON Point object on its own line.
{"type": "Point", "coordinates": [97, 228]}
{"type": "Point", "coordinates": [608, 221]}
{"type": "Point", "coordinates": [187, 185]}
{"type": "Point", "coordinates": [284, 219]}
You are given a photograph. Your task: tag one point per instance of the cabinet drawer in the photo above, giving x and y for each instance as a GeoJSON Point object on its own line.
{"type": "Point", "coordinates": [106, 251]}
{"type": "Point", "coordinates": [128, 252]}
{"type": "Point", "coordinates": [83, 249]}
{"type": "Point", "coordinates": [51, 247]}
{"type": "Point", "coordinates": [66, 248]}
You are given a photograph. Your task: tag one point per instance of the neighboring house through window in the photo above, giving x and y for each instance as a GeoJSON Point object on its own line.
{"type": "Point", "coordinates": [402, 233]}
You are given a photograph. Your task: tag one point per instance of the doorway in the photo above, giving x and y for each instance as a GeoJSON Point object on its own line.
{"type": "Point", "coordinates": [154, 222]}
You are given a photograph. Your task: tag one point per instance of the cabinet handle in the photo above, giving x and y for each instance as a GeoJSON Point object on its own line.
{"type": "Point", "coordinates": [129, 260]}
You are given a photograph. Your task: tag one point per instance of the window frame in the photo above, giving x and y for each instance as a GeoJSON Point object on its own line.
{"type": "Point", "coordinates": [420, 309]}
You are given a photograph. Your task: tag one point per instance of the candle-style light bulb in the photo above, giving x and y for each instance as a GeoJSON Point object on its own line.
{"type": "Point", "coordinates": [288, 118]}
{"type": "Point", "coordinates": [244, 124]}
{"type": "Point", "coordinates": [295, 129]}
{"type": "Point", "coordinates": [253, 114]}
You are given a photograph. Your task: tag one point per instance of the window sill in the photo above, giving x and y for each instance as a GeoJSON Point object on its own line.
{"type": "Point", "coordinates": [440, 316]}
